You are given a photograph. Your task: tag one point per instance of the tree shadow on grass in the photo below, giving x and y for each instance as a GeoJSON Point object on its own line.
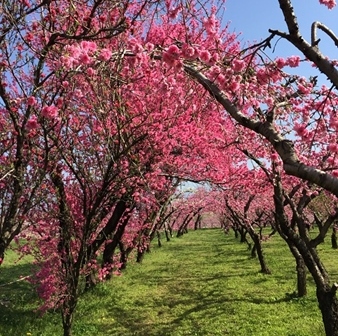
{"type": "Point", "coordinates": [179, 307]}
{"type": "Point", "coordinates": [16, 293]}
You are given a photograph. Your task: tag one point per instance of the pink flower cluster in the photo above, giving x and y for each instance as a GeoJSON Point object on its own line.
{"type": "Point", "coordinates": [84, 53]}
{"type": "Point", "coordinates": [333, 147]}
{"type": "Point", "coordinates": [328, 3]}
{"type": "Point", "coordinates": [211, 25]}
{"type": "Point", "coordinates": [171, 56]}
{"type": "Point", "coordinates": [50, 112]}
{"type": "Point", "coordinates": [301, 129]}
{"type": "Point", "coordinates": [292, 61]}
{"type": "Point", "coordinates": [32, 122]}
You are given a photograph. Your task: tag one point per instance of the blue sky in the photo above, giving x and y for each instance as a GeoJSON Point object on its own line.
{"type": "Point", "coordinates": [253, 19]}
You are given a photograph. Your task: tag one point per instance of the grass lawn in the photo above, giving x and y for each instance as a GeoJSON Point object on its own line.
{"type": "Point", "coordinates": [203, 283]}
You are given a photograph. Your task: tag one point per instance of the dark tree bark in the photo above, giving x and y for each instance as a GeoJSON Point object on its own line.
{"type": "Point", "coordinates": [71, 268]}
{"type": "Point", "coordinates": [254, 252]}
{"type": "Point", "coordinates": [258, 247]}
{"type": "Point", "coordinates": [198, 222]}
{"type": "Point", "coordinates": [326, 294]}
{"type": "Point", "coordinates": [301, 277]}
{"type": "Point", "coordinates": [167, 234]}
{"type": "Point", "coordinates": [158, 238]}
{"type": "Point", "coordinates": [3, 246]}
{"type": "Point", "coordinates": [334, 238]}
{"type": "Point", "coordinates": [183, 228]}
{"type": "Point", "coordinates": [109, 249]}
{"type": "Point", "coordinates": [107, 231]}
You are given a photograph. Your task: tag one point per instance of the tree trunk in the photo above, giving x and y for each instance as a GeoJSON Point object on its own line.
{"type": "Point", "coordinates": [328, 305]}
{"type": "Point", "coordinates": [183, 228]}
{"type": "Point", "coordinates": [170, 231]}
{"type": "Point", "coordinates": [301, 277]}
{"type": "Point", "coordinates": [198, 222]}
{"type": "Point", "coordinates": [140, 255]}
{"type": "Point", "coordinates": [158, 239]}
{"type": "Point", "coordinates": [257, 242]}
{"type": "Point", "coordinates": [301, 270]}
{"type": "Point", "coordinates": [90, 280]}
{"type": "Point", "coordinates": [334, 238]}
{"type": "Point", "coordinates": [167, 235]}
{"type": "Point", "coordinates": [109, 249]}
{"type": "Point", "coordinates": [253, 252]}
{"type": "Point", "coordinates": [242, 232]}
{"type": "Point", "coordinates": [326, 296]}
{"type": "Point", "coordinates": [67, 316]}
{"type": "Point", "coordinates": [67, 325]}
{"type": "Point", "coordinates": [3, 246]}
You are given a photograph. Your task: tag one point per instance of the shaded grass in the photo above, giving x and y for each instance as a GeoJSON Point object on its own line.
{"type": "Point", "coordinates": [203, 283]}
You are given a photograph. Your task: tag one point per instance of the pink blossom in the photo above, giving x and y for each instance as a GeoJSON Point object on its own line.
{"type": "Point", "coordinates": [221, 79]}
{"type": "Point", "coordinates": [168, 58]}
{"type": "Point", "coordinates": [68, 62]}
{"type": "Point", "coordinates": [205, 56]}
{"type": "Point", "coordinates": [173, 12]}
{"type": "Point", "coordinates": [149, 46]}
{"type": "Point", "coordinates": [59, 102]}
{"type": "Point", "coordinates": [31, 101]}
{"type": "Point", "coordinates": [171, 55]}
{"type": "Point", "coordinates": [333, 147]}
{"type": "Point", "coordinates": [32, 122]}
{"type": "Point", "coordinates": [238, 65]}
{"type": "Point", "coordinates": [103, 18]}
{"type": "Point", "coordinates": [178, 66]}
{"type": "Point", "coordinates": [210, 24]}
{"type": "Point", "coordinates": [300, 129]}
{"type": "Point", "coordinates": [293, 61]}
{"type": "Point", "coordinates": [215, 57]}
{"type": "Point", "coordinates": [105, 54]}
{"type": "Point", "coordinates": [234, 86]}
{"type": "Point", "coordinates": [174, 51]}
{"type": "Point", "coordinates": [49, 112]}
{"type": "Point", "coordinates": [188, 51]}
{"type": "Point", "coordinates": [25, 3]}
{"type": "Point", "coordinates": [262, 76]}
{"type": "Point", "coordinates": [88, 46]}
{"type": "Point", "coordinates": [90, 71]}
{"type": "Point", "coordinates": [84, 58]}
{"type": "Point", "coordinates": [135, 46]}
{"type": "Point", "coordinates": [280, 62]}
{"type": "Point", "coordinates": [269, 101]}
{"type": "Point", "coordinates": [330, 160]}
{"type": "Point", "coordinates": [304, 90]}
{"type": "Point", "coordinates": [328, 3]}
{"type": "Point", "coordinates": [274, 156]}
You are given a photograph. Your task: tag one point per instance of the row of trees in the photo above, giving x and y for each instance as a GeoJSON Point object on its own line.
{"type": "Point", "coordinates": [107, 105]}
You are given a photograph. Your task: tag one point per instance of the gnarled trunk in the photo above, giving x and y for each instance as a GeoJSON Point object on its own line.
{"type": "Point", "coordinates": [3, 247]}
{"type": "Point", "coordinates": [301, 277]}
{"type": "Point", "coordinates": [326, 295]}
{"type": "Point", "coordinates": [334, 238]}
{"type": "Point", "coordinates": [328, 305]}
{"type": "Point", "coordinates": [258, 247]}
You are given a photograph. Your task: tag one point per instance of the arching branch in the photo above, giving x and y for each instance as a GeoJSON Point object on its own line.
{"type": "Point", "coordinates": [284, 147]}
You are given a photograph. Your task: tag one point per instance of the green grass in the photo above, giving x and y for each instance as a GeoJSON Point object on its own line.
{"type": "Point", "coordinates": [203, 283]}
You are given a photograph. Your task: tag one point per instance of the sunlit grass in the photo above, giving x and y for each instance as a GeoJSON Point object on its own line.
{"type": "Point", "coordinates": [204, 283]}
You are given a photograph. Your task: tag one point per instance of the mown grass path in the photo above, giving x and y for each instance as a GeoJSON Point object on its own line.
{"type": "Point", "coordinates": [203, 283]}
